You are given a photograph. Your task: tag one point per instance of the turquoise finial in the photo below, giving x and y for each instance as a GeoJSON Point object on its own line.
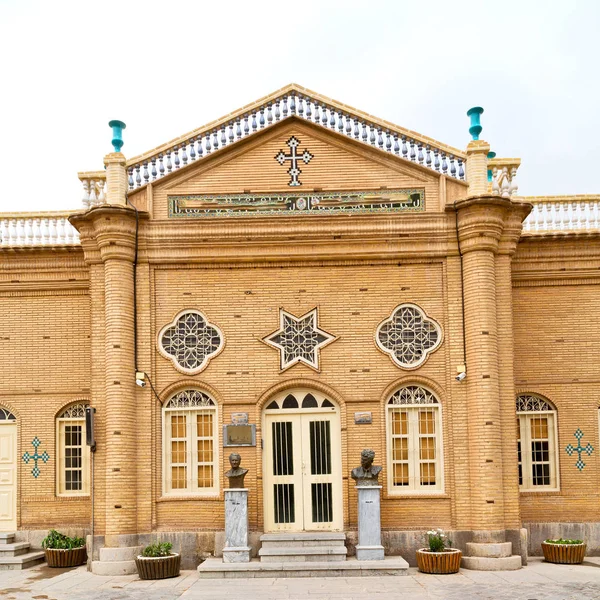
{"type": "Point", "coordinates": [117, 139]}
{"type": "Point", "coordinates": [476, 127]}
{"type": "Point", "coordinates": [490, 155]}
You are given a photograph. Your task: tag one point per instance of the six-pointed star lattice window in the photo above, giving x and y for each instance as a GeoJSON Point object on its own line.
{"type": "Point", "coordinates": [299, 339]}
{"type": "Point", "coordinates": [408, 336]}
{"type": "Point", "coordinates": [190, 341]}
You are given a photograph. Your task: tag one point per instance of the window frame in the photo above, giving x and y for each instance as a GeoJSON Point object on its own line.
{"type": "Point", "coordinates": [524, 418]}
{"type": "Point", "coordinates": [191, 440]}
{"type": "Point", "coordinates": [413, 434]}
{"type": "Point", "coordinates": [61, 423]}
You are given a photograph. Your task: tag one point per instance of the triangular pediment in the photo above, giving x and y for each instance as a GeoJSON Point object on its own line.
{"type": "Point", "coordinates": [352, 150]}
{"type": "Point", "coordinates": [295, 164]}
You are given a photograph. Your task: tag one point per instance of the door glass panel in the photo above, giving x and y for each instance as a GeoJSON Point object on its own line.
{"type": "Point", "coordinates": [309, 401]}
{"type": "Point", "coordinates": [285, 505]}
{"type": "Point", "coordinates": [320, 448]}
{"type": "Point", "coordinates": [290, 402]}
{"type": "Point", "coordinates": [283, 448]}
{"type": "Point", "coordinates": [322, 505]}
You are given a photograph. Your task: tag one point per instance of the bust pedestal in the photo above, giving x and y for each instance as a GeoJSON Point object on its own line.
{"type": "Point", "coordinates": [236, 526]}
{"type": "Point", "coordinates": [369, 523]}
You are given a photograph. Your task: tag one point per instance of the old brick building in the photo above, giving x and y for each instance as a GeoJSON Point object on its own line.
{"type": "Point", "coordinates": [321, 279]}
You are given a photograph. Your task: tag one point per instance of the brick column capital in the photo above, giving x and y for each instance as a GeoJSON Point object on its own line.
{"type": "Point", "coordinates": [107, 232]}
{"type": "Point", "coordinates": [488, 222]}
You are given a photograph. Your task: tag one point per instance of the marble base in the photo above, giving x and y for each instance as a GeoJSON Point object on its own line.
{"type": "Point", "coordinates": [236, 526]}
{"type": "Point", "coordinates": [369, 523]}
{"type": "Point", "coordinates": [236, 555]}
{"type": "Point", "coordinates": [369, 553]}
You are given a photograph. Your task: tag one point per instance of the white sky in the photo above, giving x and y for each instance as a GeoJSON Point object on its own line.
{"type": "Point", "coordinates": [165, 68]}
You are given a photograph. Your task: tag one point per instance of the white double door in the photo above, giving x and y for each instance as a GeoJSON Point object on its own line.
{"type": "Point", "coordinates": [302, 472]}
{"type": "Point", "coordinates": [8, 476]}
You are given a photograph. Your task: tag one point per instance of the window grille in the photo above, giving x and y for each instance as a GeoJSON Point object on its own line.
{"type": "Point", "coordinates": [537, 445]}
{"type": "Point", "coordinates": [190, 341]}
{"type": "Point", "coordinates": [414, 442]}
{"type": "Point", "coordinates": [73, 477]}
{"type": "Point", "coordinates": [190, 444]}
{"type": "Point", "coordinates": [408, 336]}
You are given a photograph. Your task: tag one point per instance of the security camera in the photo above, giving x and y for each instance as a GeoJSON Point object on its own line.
{"type": "Point", "coordinates": [460, 376]}
{"type": "Point", "coordinates": [140, 378]}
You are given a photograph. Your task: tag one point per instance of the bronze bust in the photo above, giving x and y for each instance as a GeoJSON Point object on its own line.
{"type": "Point", "coordinates": [366, 474]}
{"type": "Point", "coordinates": [236, 474]}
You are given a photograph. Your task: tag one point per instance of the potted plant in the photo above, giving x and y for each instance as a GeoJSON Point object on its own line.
{"type": "Point", "coordinates": [158, 562]}
{"type": "Point", "coordinates": [568, 552]}
{"type": "Point", "coordinates": [439, 558]}
{"type": "Point", "coordinates": [64, 551]}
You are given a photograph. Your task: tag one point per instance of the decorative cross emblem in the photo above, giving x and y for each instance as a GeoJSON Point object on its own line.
{"type": "Point", "coordinates": [579, 449]}
{"type": "Point", "coordinates": [294, 159]}
{"type": "Point", "coordinates": [299, 339]}
{"type": "Point", "coordinates": [35, 457]}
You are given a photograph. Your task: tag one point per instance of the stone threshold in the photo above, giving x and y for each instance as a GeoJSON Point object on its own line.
{"type": "Point", "coordinates": [215, 568]}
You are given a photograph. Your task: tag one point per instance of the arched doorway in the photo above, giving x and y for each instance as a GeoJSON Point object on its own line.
{"type": "Point", "coordinates": [8, 470]}
{"type": "Point", "coordinates": [302, 462]}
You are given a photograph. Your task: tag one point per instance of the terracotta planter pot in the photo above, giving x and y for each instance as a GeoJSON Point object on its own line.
{"type": "Point", "coordinates": [439, 563]}
{"type": "Point", "coordinates": [159, 567]}
{"type": "Point", "coordinates": [566, 554]}
{"type": "Point", "coordinates": [65, 558]}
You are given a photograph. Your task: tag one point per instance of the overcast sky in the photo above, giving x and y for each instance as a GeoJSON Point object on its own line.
{"type": "Point", "coordinates": [166, 68]}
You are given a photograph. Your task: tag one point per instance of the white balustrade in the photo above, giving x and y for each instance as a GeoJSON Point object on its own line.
{"type": "Point", "coordinates": [563, 214]}
{"type": "Point", "coordinates": [43, 230]}
{"type": "Point", "coordinates": [504, 180]}
{"type": "Point", "coordinates": [360, 127]}
{"type": "Point", "coordinates": [94, 185]}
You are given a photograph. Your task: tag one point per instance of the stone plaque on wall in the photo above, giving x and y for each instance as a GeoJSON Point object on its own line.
{"type": "Point", "coordinates": [363, 418]}
{"type": "Point", "coordinates": [239, 435]}
{"type": "Point", "coordinates": [239, 418]}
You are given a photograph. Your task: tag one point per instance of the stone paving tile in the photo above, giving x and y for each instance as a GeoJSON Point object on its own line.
{"type": "Point", "coordinates": [538, 581]}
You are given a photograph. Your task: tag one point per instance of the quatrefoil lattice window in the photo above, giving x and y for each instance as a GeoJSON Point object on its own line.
{"type": "Point", "coordinates": [408, 336]}
{"type": "Point", "coordinates": [190, 341]}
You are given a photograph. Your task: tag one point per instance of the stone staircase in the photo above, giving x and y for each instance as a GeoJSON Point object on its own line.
{"type": "Point", "coordinates": [15, 556]}
{"type": "Point", "coordinates": [307, 554]}
{"type": "Point", "coordinates": [302, 547]}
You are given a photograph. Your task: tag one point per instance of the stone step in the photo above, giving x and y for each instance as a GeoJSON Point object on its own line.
{"type": "Point", "coordinates": [303, 554]}
{"type": "Point", "coordinates": [215, 568]}
{"type": "Point", "coordinates": [23, 561]}
{"type": "Point", "coordinates": [13, 549]}
{"type": "Point", "coordinates": [6, 537]}
{"type": "Point", "coordinates": [290, 540]}
{"type": "Point", "coordinates": [489, 550]}
{"type": "Point", "coordinates": [485, 563]}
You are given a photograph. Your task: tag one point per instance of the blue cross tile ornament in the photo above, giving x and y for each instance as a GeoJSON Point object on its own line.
{"type": "Point", "coordinates": [44, 456]}
{"type": "Point", "coordinates": [570, 449]}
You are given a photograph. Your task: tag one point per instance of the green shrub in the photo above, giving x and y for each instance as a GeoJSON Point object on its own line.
{"type": "Point", "coordinates": [438, 541]}
{"type": "Point", "coordinates": [561, 541]}
{"type": "Point", "coordinates": [158, 549]}
{"type": "Point", "coordinates": [59, 541]}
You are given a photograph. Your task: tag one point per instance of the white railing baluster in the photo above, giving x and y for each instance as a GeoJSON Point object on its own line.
{"type": "Point", "coordinates": [47, 229]}
{"type": "Point", "coordinates": [563, 214]}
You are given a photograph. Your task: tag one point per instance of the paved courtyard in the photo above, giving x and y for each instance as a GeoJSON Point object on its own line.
{"type": "Point", "coordinates": [537, 581]}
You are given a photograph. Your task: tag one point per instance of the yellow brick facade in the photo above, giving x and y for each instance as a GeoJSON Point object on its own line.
{"type": "Point", "coordinates": [528, 319]}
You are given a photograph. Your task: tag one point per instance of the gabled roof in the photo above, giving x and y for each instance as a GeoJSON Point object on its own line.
{"type": "Point", "coordinates": [299, 102]}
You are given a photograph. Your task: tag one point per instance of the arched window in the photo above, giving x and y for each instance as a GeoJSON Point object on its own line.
{"type": "Point", "coordinates": [537, 444]}
{"type": "Point", "coordinates": [190, 444]}
{"type": "Point", "coordinates": [414, 440]}
{"type": "Point", "coordinates": [73, 465]}
{"type": "Point", "coordinates": [6, 416]}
